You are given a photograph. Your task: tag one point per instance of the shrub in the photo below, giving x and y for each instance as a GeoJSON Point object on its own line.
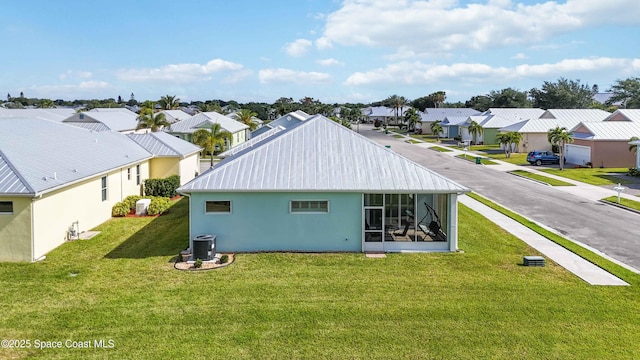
{"type": "Point", "coordinates": [224, 258]}
{"type": "Point", "coordinates": [131, 200]}
{"type": "Point", "coordinates": [120, 209]}
{"type": "Point", "coordinates": [162, 187]}
{"type": "Point", "coordinates": [197, 264]}
{"type": "Point", "coordinates": [158, 205]}
{"type": "Point", "coordinates": [634, 172]}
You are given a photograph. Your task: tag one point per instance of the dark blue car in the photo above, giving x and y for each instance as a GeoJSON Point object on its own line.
{"type": "Point", "coordinates": [539, 157]}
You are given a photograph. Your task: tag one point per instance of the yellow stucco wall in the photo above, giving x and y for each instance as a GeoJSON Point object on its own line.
{"type": "Point", "coordinates": [55, 212]}
{"type": "Point", "coordinates": [164, 167]}
{"type": "Point", "coordinates": [15, 231]}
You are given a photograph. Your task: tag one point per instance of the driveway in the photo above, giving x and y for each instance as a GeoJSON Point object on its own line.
{"type": "Point", "coordinates": [612, 231]}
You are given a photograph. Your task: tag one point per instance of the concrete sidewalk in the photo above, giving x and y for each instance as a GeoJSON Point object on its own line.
{"type": "Point", "coordinates": [582, 268]}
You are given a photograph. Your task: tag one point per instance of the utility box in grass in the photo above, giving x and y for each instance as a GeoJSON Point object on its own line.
{"type": "Point", "coordinates": [142, 206]}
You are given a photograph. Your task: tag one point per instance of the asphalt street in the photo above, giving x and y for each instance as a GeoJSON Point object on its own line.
{"type": "Point", "coordinates": [613, 231]}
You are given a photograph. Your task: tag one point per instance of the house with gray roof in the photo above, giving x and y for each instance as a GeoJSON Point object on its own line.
{"type": "Point", "coordinates": [285, 121]}
{"type": "Point", "coordinates": [495, 119]}
{"type": "Point", "coordinates": [174, 116]}
{"type": "Point", "coordinates": [431, 115]}
{"type": "Point", "coordinates": [58, 180]}
{"type": "Point", "coordinates": [47, 114]}
{"type": "Point", "coordinates": [171, 155]}
{"type": "Point", "coordinates": [184, 129]}
{"type": "Point", "coordinates": [117, 119]}
{"type": "Point", "coordinates": [319, 186]}
{"type": "Point", "coordinates": [602, 144]}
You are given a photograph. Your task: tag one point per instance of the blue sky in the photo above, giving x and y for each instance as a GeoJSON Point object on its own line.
{"type": "Point", "coordinates": [333, 51]}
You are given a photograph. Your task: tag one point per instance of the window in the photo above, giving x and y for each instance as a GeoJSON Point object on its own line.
{"type": "Point", "coordinates": [104, 188]}
{"type": "Point", "coordinates": [137, 174]}
{"type": "Point", "coordinates": [217, 207]}
{"type": "Point", "coordinates": [128, 173]}
{"type": "Point", "coordinates": [6, 207]}
{"type": "Point", "coordinates": [309, 206]}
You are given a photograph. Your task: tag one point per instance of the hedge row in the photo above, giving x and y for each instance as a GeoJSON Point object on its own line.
{"type": "Point", "coordinates": [158, 205]}
{"type": "Point", "coordinates": [162, 187]}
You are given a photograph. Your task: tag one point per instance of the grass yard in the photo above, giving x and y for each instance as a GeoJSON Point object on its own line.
{"type": "Point", "coordinates": [515, 158]}
{"type": "Point", "coordinates": [440, 149]}
{"type": "Point", "coordinates": [429, 138]}
{"type": "Point", "coordinates": [624, 202]}
{"type": "Point", "coordinates": [478, 304]}
{"type": "Point", "coordinates": [595, 176]}
{"type": "Point", "coordinates": [483, 160]}
{"type": "Point", "coordinates": [541, 178]}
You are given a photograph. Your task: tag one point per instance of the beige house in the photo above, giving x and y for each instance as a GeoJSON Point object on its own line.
{"type": "Point", "coordinates": [57, 181]}
{"type": "Point", "coordinates": [603, 144]}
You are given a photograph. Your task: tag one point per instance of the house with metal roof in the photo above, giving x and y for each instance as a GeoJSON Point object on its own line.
{"type": "Point", "coordinates": [117, 119]}
{"type": "Point", "coordinates": [286, 121]}
{"type": "Point", "coordinates": [174, 116]}
{"type": "Point", "coordinates": [431, 115]}
{"type": "Point", "coordinates": [171, 155]}
{"type": "Point", "coordinates": [58, 180]}
{"type": "Point", "coordinates": [319, 186]}
{"type": "Point", "coordinates": [602, 144]}
{"type": "Point", "coordinates": [624, 115]}
{"type": "Point", "coordinates": [184, 129]}
{"type": "Point", "coordinates": [495, 119]}
{"type": "Point", "coordinates": [534, 131]}
{"type": "Point", "coordinates": [54, 114]}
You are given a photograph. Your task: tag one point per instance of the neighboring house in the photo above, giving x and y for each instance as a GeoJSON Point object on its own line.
{"type": "Point", "coordinates": [625, 115]}
{"type": "Point", "coordinates": [54, 177]}
{"type": "Point", "coordinates": [319, 186]}
{"type": "Point", "coordinates": [117, 119]}
{"type": "Point", "coordinates": [171, 155]}
{"type": "Point", "coordinates": [286, 121]}
{"type": "Point", "coordinates": [256, 120]}
{"type": "Point", "coordinates": [122, 110]}
{"type": "Point", "coordinates": [174, 116]}
{"type": "Point", "coordinates": [184, 129]}
{"type": "Point", "coordinates": [451, 126]}
{"type": "Point", "coordinates": [534, 131]}
{"type": "Point", "coordinates": [603, 144]}
{"type": "Point", "coordinates": [385, 115]}
{"type": "Point", "coordinates": [603, 98]}
{"type": "Point", "coordinates": [46, 114]}
{"type": "Point", "coordinates": [254, 141]}
{"type": "Point", "coordinates": [430, 115]}
{"type": "Point", "coordinates": [495, 119]}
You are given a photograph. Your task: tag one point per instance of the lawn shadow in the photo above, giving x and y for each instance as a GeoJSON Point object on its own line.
{"type": "Point", "coordinates": [165, 235]}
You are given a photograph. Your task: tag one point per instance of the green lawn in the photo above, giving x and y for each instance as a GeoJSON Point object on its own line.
{"type": "Point", "coordinates": [398, 136]}
{"type": "Point", "coordinates": [515, 158]}
{"type": "Point", "coordinates": [483, 160]}
{"type": "Point", "coordinates": [482, 303]}
{"type": "Point", "coordinates": [594, 176]}
{"type": "Point", "coordinates": [440, 149]}
{"type": "Point", "coordinates": [624, 202]}
{"type": "Point", "coordinates": [428, 138]}
{"type": "Point", "coordinates": [541, 178]}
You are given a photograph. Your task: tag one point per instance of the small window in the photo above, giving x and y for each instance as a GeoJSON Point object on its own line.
{"type": "Point", "coordinates": [128, 173]}
{"type": "Point", "coordinates": [309, 206]}
{"type": "Point", "coordinates": [6, 207]}
{"type": "Point", "coordinates": [137, 174]}
{"type": "Point", "coordinates": [217, 207]}
{"type": "Point", "coordinates": [104, 188]}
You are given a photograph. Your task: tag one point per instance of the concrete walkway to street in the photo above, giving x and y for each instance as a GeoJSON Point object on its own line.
{"type": "Point", "coordinates": [582, 268]}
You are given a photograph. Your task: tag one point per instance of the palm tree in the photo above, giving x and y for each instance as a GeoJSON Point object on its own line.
{"type": "Point", "coordinates": [246, 116]}
{"type": "Point", "coordinates": [169, 102]}
{"type": "Point", "coordinates": [436, 128]}
{"type": "Point", "coordinates": [45, 104]}
{"type": "Point", "coordinates": [505, 140]}
{"type": "Point", "coordinates": [411, 117]}
{"type": "Point", "coordinates": [559, 137]}
{"type": "Point", "coordinates": [516, 139]}
{"type": "Point", "coordinates": [633, 148]}
{"type": "Point", "coordinates": [148, 120]}
{"type": "Point", "coordinates": [474, 130]}
{"type": "Point", "coordinates": [209, 139]}
{"type": "Point", "coordinates": [206, 107]}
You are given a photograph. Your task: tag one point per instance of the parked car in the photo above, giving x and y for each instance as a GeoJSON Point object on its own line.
{"type": "Point", "coordinates": [539, 157]}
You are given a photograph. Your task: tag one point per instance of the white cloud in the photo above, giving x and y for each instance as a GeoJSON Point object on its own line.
{"type": "Point", "coordinates": [298, 47]}
{"type": "Point", "coordinates": [329, 62]}
{"type": "Point", "coordinates": [519, 56]}
{"type": "Point", "coordinates": [419, 73]}
{"type": "Point", "coordinates": [180, 73]}
{"type": "Point", "coordinates": [438, 26]}
{"type": "Point", "coordinates": [291, 76]}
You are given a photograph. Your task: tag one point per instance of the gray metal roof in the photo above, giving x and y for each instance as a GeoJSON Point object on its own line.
{"type": "Point", "coordinates": [433, 114]}
{"type": "Point", "coordinates": [111, 120]}
{"type": "Point", "coordinates": [541, 125]}
{"type": "Point", "coordinates": [576, 115]}
{"type": "Point", "coordinates": [454, 120]}
{"type": "Point", "coordinates": [254, 141]}
{"type": "Point", "coordinates": [320, 155]}
{"type": "Point", "coordinates": [204, 121]}
{"type": "Point", "coordinates": [164, 145]}
{"type": "Point", "coordinates": [47, 114]}
{"type": "Point", "coordinates": [46, 155]}
{"type": "Point", "coordinates": [175, 115]}
{"type": "Point", "coordinates": [627, 114]}
{"type": "Point", "coordinates": [609, 130]}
